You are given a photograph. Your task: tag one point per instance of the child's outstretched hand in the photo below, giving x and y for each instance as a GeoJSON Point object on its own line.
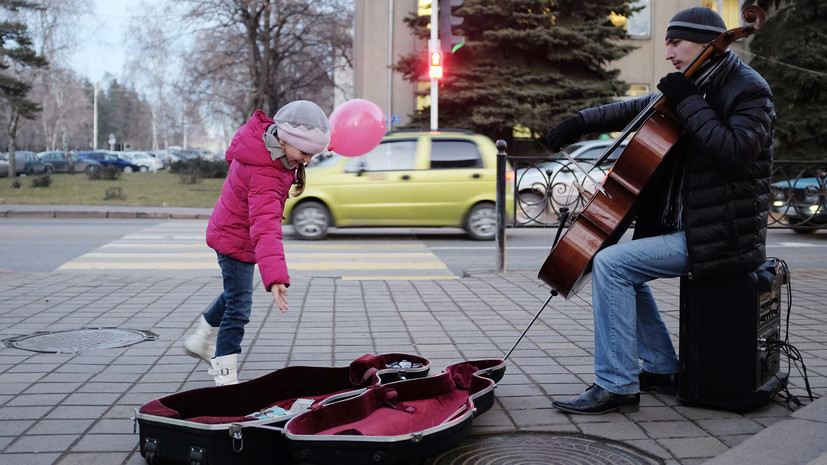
{"type": "Point", "coordinates": [279, 292]}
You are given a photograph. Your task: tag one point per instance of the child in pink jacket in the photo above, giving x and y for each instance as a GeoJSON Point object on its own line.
{"type": "Point", "coordinates": [266, 158]}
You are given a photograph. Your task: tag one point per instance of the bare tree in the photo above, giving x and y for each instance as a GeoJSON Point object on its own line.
{"type": "Point", "coordinates": [154, 65]}
{"type": "Point", "coordinates": [18, 63]}
{"type": "Point", "coordinates": [253, 54]}
{"type": "Point", "coordinates": [59, 93]}
{"type": "Point", "coordinates": [59, 89]}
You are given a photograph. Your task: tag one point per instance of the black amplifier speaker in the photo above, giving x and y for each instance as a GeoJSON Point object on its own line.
{"type": "Point", "coordinates": [727, 328]}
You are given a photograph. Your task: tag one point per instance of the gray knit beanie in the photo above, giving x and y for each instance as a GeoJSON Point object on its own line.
{"type": "Point", "coordinates": [699, 24]}
{"type": "Point", "coordinates": [303, 125]}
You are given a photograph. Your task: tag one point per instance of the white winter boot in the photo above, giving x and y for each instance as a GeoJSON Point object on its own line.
{"type": "Point", "coordinates": [201, 344]}
{"type": "Point", "coordinates": [224, 369]}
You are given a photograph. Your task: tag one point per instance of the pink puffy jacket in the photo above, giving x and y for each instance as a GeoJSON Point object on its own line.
{"type": "Point", "coordinates": [246, 221]}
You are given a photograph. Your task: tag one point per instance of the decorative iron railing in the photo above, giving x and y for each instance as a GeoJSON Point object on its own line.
{"type": "Point", "coordinates": [543, 188]}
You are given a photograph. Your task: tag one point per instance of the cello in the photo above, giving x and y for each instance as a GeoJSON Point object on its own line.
{"type": "Point", "coordinates": [610, 210]}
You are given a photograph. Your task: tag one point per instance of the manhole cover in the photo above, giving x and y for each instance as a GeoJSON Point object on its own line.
{"type": "Point", "coordinates": [540, 448]}
{"type": "Point", "coordinates": [78, 340]}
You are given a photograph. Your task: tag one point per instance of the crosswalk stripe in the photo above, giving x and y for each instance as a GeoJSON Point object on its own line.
{"type": "Point", "coordinates": [336, 265]}
{"type": "Point", "coordinates": [181, 246]}
{"type": "Point", "coordinates": [153, 265]}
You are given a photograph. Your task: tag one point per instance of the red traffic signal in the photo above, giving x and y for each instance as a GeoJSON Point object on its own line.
{"type": "Point", "coordinates": [435, 70]}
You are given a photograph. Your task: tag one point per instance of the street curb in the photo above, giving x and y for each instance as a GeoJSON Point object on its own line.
{"type": "Point", "coordinates": [75, 212]}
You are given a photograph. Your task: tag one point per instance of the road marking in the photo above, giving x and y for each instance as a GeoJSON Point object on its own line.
{"type": "Point", "coordinates": [362, 265]}
{"type": "Point", "coordinates": [148, 255]}
{"type": "Point", "coordinates": [153, 265]}
{"type": "Point", "coordinates": [180, 245]}
{"type": "Point", "coordinates": [396, 278]}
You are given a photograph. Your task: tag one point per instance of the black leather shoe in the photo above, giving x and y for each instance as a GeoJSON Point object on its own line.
{"type": "Point", "coordinates": [597, 401]}
{"type": "Point", "coordinates": [662, 383]}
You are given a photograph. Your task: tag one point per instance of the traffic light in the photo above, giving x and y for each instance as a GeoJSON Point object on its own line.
{"type": "Point", "coordinates": [447, 21]}
{"type": "Point", "coordinates": [435, 70]}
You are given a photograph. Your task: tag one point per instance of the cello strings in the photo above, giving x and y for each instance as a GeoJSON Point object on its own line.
{"type": "Point", "coordinates": [781, 63]}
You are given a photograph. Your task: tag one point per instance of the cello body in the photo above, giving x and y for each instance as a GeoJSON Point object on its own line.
{"type": "Point", "coordinates": [606, 217]}
{"type": "Point", "coordinates": [609, 213]}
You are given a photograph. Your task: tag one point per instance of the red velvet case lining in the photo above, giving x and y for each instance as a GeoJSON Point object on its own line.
{"type": "Point", "coordinates": [233, 404]}
{"type": "Point", "coordinates": [401, 407]}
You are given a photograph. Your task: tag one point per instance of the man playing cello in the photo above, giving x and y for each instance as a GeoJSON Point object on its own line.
{"type": "Point", "coordinates": [706, 214]}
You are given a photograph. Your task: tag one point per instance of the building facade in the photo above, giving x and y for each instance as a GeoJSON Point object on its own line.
{"type": "Point", "coordinates": [381, 37]}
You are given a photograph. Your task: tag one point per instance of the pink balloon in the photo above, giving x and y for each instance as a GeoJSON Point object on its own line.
{"type": "Point", "coordinates": [356, 127]}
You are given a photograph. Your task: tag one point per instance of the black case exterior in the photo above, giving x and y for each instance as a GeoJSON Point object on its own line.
{"type": "Point", "coordinates": [170, 441]}
{"type": "Point", "coordinates": [727, 327]}
{"type": "Point", "coordinates": [171, 444]}
{"type": "Point", "coordinates": [398, 449]}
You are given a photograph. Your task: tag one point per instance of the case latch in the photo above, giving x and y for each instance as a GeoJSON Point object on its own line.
{"type": "Point", "coordinates": [238, 438]}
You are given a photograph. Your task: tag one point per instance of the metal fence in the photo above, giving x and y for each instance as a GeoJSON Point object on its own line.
{"type": "Point", "coordinates": [543, 188]}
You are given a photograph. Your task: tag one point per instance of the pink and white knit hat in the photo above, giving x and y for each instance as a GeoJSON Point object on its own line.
{"type": "Point", "coordinates": [303, 125]}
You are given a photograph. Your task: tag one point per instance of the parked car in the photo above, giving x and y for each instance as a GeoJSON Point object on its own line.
{"type": "Point", "coordinates": [412, 178]}
{"type": "Point", "coordinates": [26, 163]}
{"type": "Point", "coordinates": [144, 160]}
{"type": "Point", "coordinates": [550, 185]}
{"type": "Point", "coordinates": [802, 202]}
{"type": "Point", "coordinates": [167, 157]}
{"type": "Point", "coordinates": [107, 158]}
{"type": "Point", "coordinates": [57, 158]}
{"type": "Point", "coordinates": [186, 154]}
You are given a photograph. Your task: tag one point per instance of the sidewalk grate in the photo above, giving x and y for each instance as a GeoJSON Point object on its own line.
{"type": "Point", "coordinates": [79, 340]}
{"type": "Point", "coordinates": [509, 449]}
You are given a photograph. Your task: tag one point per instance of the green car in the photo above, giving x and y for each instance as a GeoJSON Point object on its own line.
{"type": "Point", "coordinates": [412, 178]}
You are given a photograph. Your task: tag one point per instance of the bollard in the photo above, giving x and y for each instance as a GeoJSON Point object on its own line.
{"type": "Point", "coordinates": [501, 155]}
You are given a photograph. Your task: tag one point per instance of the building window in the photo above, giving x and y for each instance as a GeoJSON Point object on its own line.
{"type": "Point", "coordinates": [424, 7]}
{"type": "Point", "coordinates": [423, 95]}
{"type": "Point", "coordinates": [728, 9]}
{"type": "Point", "coordinates": [637, 90]}
{"type": "Point", "coordinates": [639, 25]}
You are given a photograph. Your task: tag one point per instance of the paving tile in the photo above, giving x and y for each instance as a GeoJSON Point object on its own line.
{"type": "Point", "coordinates": [702, 447]}
{"type": "Point", "coordinates": [672, 429]}
{"type": "Point", "coordinates": [88, 399]}
{"type": "Point", "coordinates": [42, 443]}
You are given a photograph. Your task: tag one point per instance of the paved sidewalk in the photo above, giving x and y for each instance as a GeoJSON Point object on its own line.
{"type": "Point", "coordinates": [76, 408]}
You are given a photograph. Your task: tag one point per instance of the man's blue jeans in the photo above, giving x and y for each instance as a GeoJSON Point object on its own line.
{"type": "Point", "coordinates": [231, 311]}
{"type": "Point", "coordinates": [628, 328]}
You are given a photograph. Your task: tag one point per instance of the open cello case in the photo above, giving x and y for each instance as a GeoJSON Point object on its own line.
{"type": "Point", "coordinates": [379, 409]}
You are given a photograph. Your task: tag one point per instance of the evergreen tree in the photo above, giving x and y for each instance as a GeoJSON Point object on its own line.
{"type": "Point", "coordinates": [791, 53]}
{"type": "Point", "coordinates": [525, 62]}
{"type": "Point", "coordinates": [16, 55]}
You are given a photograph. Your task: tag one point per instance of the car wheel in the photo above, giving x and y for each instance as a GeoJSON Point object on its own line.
{"type": "Point", "coordinates": [481, 222]}
{"type": "Point", "coordinates": [144, 169]}
{"type": "Point", "coordinates": [310, 220]}
{"type": "Point", "coordinates": [810, 228]}
{"type": "Point", "coordinates": [49, 170]}
{"type": "Point", "coordinates": [532, 203]}
{"type": "Point", "coordinates": [127, 169]}
{"type": "Point", "coordinates": [91, 169]}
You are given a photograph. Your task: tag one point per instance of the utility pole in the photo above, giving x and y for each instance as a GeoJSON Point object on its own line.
{"type": "Point", "coordinates": [433, 47]}
{"type": "Point", "coordinates": [106, 78]}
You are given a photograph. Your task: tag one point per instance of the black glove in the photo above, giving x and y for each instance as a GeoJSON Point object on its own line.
{"type": "Point", "coordinates": [566, 132]}
{"type": "Point", "coordinates": [676, 87]}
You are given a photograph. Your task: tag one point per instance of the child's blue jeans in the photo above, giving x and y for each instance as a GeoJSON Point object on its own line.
{"type": "Point", "coordinates": [231, 311]}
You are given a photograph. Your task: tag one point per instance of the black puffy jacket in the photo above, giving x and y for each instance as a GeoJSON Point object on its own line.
{"type": "Point", "coordinates": [725, 155]}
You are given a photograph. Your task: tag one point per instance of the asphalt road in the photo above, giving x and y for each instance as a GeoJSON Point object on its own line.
{"type": "Point", "coordinates": [177, 246]}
